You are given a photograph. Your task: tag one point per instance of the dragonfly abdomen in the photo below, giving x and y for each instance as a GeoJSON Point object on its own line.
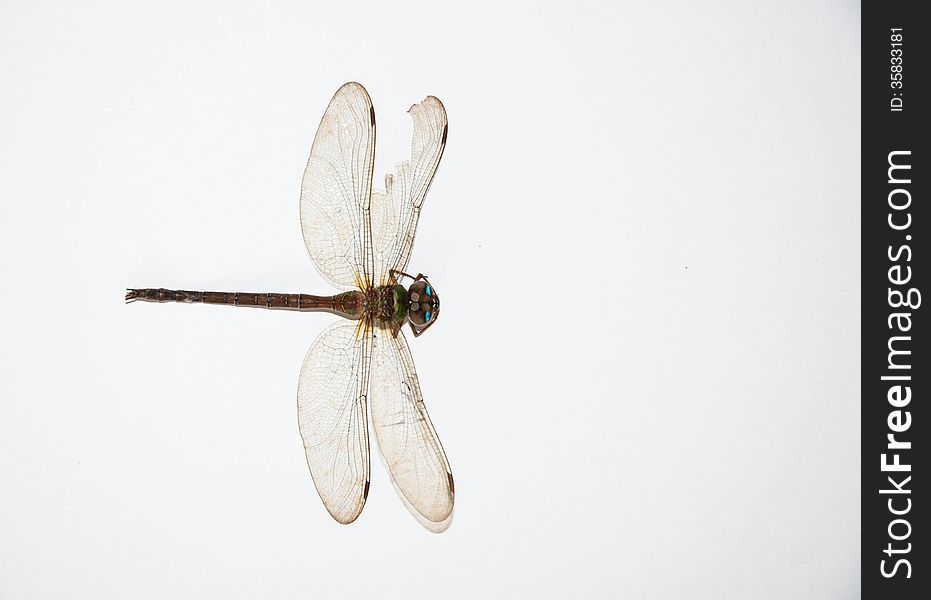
{"type": "Point", "coordinates": [347, 304]}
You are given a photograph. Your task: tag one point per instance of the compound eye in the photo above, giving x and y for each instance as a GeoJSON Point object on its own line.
{"type": "Point", "coordinates": [424, 304]}
{"type": "Point", "coordinates": [417, 315]}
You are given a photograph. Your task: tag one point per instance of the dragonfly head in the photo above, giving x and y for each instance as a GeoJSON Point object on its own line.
{"type": "Point", "coordinates": [425, 306]}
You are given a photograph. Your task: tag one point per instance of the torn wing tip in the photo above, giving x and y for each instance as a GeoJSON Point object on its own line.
{"type": "Point", "coordinates": [428, 100]}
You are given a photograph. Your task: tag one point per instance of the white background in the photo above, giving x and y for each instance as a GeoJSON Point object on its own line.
{"type": "Point", "coordinates": [645, 232]}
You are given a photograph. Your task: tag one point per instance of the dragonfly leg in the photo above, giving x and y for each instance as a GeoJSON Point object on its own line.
{"type": "Point", "coordinates": [394, 274]}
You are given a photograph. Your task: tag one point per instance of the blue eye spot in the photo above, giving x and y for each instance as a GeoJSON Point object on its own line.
{"type": "Point", "coordinates": [428, 290]}
{"type": "Point", "coordinates": [426, 316]}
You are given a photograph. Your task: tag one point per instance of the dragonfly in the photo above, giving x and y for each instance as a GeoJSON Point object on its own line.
{"type": "Point", "coordinates": [360, 367]}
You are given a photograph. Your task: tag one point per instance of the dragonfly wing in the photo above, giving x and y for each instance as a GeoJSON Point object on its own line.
{"type": "Point", "coordinates": [396, 210]}
{"type": "Point", "coordinates": [385, 219]}
{"type": "Point", "coordinates": [331, 412]}
{"type": "Point", "coordinates": [407, 441]}
{"type": "Point", "coordinates": [336, 189]}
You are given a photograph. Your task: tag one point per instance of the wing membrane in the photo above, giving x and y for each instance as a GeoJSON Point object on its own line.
{"type": "Point", "coordinates": [396, 210]}
{"type": "Point", "coordinates": [409, 446]}
{"type": "Point", "coordinates": [331, 411]}
{"type": "Point", "coordinates": [336, 189]}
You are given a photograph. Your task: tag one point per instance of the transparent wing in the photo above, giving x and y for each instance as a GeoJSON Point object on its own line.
{"type": "Point", "coordinates": [336, 189]}
{"type": "Point", "coordinates": [396, 210]}
{"type": "Point", "coordinates": [407, 441]}
{"type": "Point", "coordinates": [331, 412]}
